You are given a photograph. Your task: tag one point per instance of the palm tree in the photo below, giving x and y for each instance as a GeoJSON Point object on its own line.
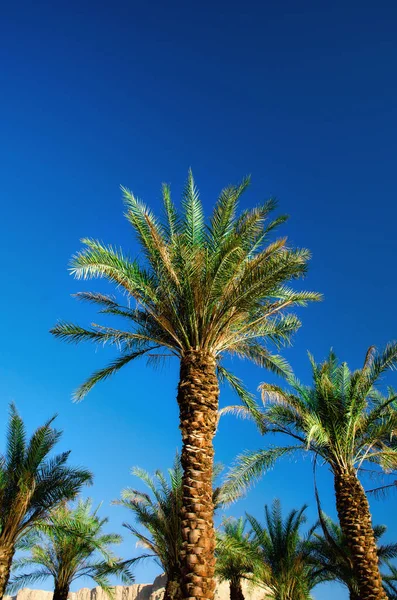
{"type": "Point", "coordinates": [31, 484]}
{"type": "Point", "coordinates": [237, 556]}
{"type": "Point", "coordinates": [331, 556]}
{"type": "Point", "coordinates": [68, 545]}
{"type": "Point", "coordinates": [285, 552]}
{"type": "Point", "coordinates": [200, 292]}
{"type": "Point", "coordinates": [345, 420]}
{"type": "Point", "coordinates": [159, 513]}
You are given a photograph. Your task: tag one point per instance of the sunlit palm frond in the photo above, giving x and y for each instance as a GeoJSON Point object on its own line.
{"type": "Point", "coordinates": [250, 466]}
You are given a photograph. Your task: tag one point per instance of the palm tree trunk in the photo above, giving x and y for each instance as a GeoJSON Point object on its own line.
{"type": "Point", "coordinates": [61, 591]}
{"type": "Point", "coordinates": [236, 591]}
{"type": "Point", "coordinates": [172, 589]}
{"type": "Point", "coordinates": [198, 393]}
{"type": "Point", "coordinates": [355, 521]}
{"type": "Point", "coordinates": [6, 556]}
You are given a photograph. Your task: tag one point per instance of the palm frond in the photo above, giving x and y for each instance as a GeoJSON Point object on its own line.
{"type": "Point", "coordinates": [107, 372]}
{"type": "Point", "coordinates": [245, 396]}
{"type": "Point", "coordinates": [193, 229]}
{"type": "Point", "coordinates": [250, 466]}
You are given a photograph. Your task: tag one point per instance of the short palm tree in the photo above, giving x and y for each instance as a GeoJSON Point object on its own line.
{"type": "Point", "coordinates": [68, 545]}
{"type": "Point", "coordinates": [238, 558]}
{"type": "Point", "coordinates": [31, 484]}
{"type": "Point", "coordinates": [345, 421]}
{"type": "Point", "coordinates": [199, 292]}
{"type": "Point", "coordinates": [158, 519]}
{"type": "Point", "coordinates": [331, 556]}
{"type": "Point", "coordinates": [285, 551]}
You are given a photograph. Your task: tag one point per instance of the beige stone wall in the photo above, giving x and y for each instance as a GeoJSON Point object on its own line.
{"type": "Point", "coordinates": [139, 591]}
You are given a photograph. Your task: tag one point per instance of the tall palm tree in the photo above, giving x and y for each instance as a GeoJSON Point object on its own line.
{"type": "Point", "coordinates": [344, 420]}
{"type": "Point", "coordinates": [331, 557]}
{"type": "Point", "coordinates": [200, 291]}
{"type": "Point", "coordinates": [158, 519]}
{"type": "Point", "coordinates": [238, 558]}
{"type": "Point", "coordinates": [285, 552]}
{"type": "Point", "coordinates": [31, 484]}
{"type": "Point", "coordinates": [68, 545]}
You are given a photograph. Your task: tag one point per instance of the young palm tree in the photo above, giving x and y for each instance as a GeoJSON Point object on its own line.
{"type": "Point", "coordinates": [159, 513]}
{"type": "Point", "coordinates": [68, 545]}
{"type": "Point", "coordinates": [200, 292]}
{"type": "Point", "coordinates": [31, 484]}
{"type": "Point", "coordinates": [331, 556]}
{"type": "Point", "coordinates": [286, 553]}
{"type": "Point", "coordinates": [238, 558]}
{"type": "Point", "coordinates": [345, 420]}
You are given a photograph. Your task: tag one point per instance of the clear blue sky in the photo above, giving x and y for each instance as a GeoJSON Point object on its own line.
{"type": "Point", "coordinates": [302, 95]}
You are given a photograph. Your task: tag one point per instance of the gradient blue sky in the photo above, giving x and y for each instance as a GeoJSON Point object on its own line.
{"type": "Point", "coordinates": [302, 95]}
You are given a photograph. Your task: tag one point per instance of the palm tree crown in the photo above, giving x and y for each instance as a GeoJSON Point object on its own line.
{"type": "Point", "coordinates": [238, 557]}
{"type": "Point", "coordinates": [285, 552]}
{"type": "Point", "coordinates": [32, 483]}
{"type": "Point", "coordinates": [157, 515]}
{"type": "Point", "coordinates": [218, 287]}
{"type": "Point", "coordinates": [343, 418]}
{"type": "Point", "coordinates": [68, 545]}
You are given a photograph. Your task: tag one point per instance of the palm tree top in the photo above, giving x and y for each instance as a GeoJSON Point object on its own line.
{"type": "Point", "coordinates": [237, 555]}
{"type": "Point", "coordinates": [281, 535]}
{"type": "Point", "coordinates": [31, 481]}
{"type": "Point", "coordinates": [69, 544]}
{"type": "Point", "coordinates": [342, 417]}
{"type": "Point", "coordinates": [214, 287]}
{"type": "Point", "coordinates": [286, 552]}
{"type": "Point", "coordinates": [157, 515]}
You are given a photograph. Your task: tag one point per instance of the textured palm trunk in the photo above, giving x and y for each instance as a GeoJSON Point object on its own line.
{"type": "Point", "coordinates": [198, 393]}
{"type": "Point", "coordinates": [236, 591]}
{"type": "Point", "coordinates": [6, 556]}
{"type": "Point", "coordinates": [172, 589]}
{"type": "Point", "coordinates": [61, 592]}
{"type": "Point", "coordinates": [355, 521]}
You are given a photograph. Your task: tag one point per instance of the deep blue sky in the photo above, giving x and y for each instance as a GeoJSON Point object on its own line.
{"type": "Point", "coordinates": [302, 95]}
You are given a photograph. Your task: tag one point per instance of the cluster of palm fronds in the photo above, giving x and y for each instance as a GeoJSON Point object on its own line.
{"type": "Point", "coordinates": [220, 287]}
